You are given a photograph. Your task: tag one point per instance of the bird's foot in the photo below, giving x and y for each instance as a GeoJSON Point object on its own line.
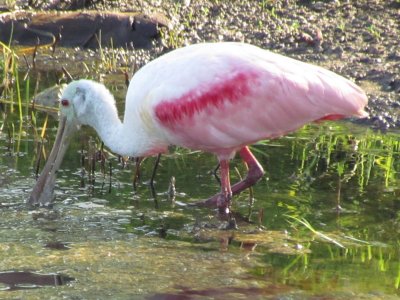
{"type": "Point", "coordinates": [224, 203]}
{"type": "Point", "coordinates": [221, 201]}
{"type": "Point", "coordinates": [210, 202]}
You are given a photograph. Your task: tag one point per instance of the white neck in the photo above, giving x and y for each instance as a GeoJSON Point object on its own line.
{"type": "Point", "coordinates": [129, 138]}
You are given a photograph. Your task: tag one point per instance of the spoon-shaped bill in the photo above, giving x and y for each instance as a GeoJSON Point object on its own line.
{"type": "Point", "coordinates": [43, 192]}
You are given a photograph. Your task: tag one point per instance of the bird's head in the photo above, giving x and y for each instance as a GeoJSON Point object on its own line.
{"type": "Point", "coordinates": [81, 100]}
{"type": "Point", "coordinates": [73, 100]}
{"type": "Point", "coordinates": [80, 103]}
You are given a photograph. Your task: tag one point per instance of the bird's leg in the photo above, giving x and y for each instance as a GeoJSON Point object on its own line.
{"type": "Point", "coordinates": [224, 198]}
{"type": "Point", "coordinates": [215, 173]}
{"type": "Point", "coordinates": [136, 176]}
{"type": "Point", "coordinates": [254, 174]}
{"type": "Point", "coordinates": [153, 174]}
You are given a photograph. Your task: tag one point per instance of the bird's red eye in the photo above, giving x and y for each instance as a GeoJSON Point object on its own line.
{"type": "Point", "coordinates": [64, 102]}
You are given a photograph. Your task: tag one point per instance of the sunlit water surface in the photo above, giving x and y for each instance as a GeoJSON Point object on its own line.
{"type": "Point", "coordinates": [323, 223]}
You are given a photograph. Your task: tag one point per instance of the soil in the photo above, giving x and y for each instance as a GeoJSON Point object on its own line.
{"type": "Point", "coordinates": [357, 39]}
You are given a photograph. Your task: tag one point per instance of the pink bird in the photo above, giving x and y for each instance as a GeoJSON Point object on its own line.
{"type": "Point", "coordinates": [214, 97]}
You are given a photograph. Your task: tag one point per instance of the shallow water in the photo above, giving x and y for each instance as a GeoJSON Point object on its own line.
{"type": "Point", "coordinates": [324, 222]}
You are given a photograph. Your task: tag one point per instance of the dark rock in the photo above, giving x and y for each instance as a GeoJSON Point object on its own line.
{"type": "Point", "coordinates": [87, 29]}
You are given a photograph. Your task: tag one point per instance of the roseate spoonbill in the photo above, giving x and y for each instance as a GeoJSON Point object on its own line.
{"type": "Point", "coordinates": [215, 97]}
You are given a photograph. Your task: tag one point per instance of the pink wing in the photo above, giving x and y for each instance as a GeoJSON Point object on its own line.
{"type": "Point", "coordinates": [219, 100]}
